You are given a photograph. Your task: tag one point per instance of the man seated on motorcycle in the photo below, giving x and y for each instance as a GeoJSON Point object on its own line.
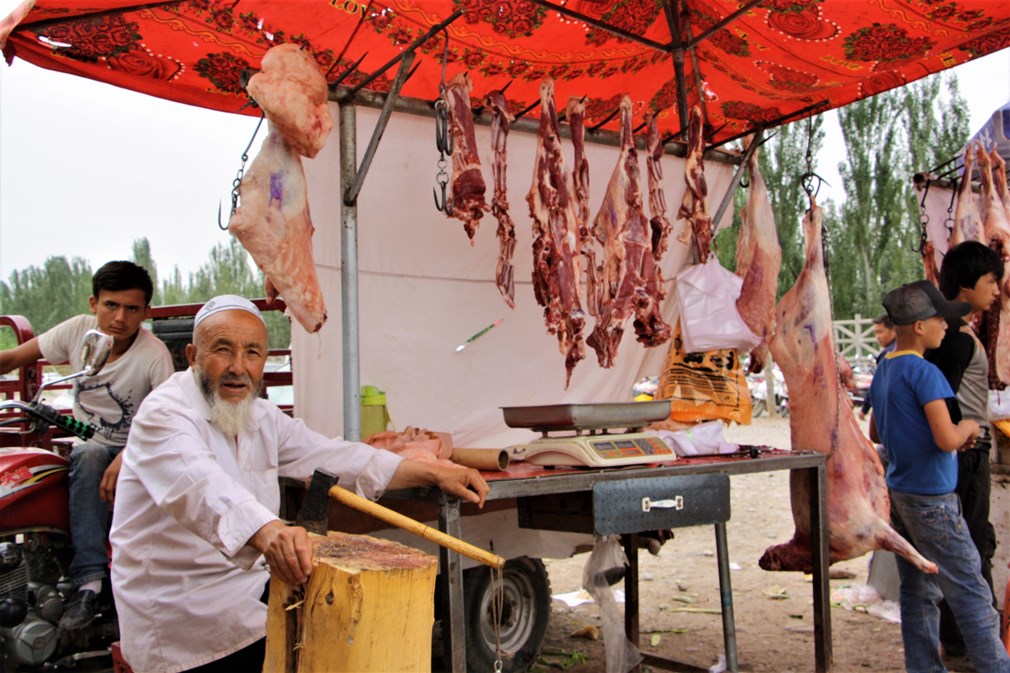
{"type": "Point", "coordinates": [196, 533]}
{"type": "Point", "coordinates": [119, 303]}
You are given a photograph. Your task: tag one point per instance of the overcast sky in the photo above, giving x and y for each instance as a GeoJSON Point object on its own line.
{"type": "Point", "coordinates": [86, 168]}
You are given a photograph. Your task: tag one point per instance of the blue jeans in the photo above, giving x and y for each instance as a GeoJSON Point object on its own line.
{"type": "Point", "coordinates": [934, 525]}
{"type": "Point", "coordinates": [89, 515]}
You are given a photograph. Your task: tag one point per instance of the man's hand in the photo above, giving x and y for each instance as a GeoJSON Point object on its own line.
{"type": "Point", "coordinates": [972, 428]}
{"type": "Point", "coordinates": [466, 484]}
{"type": "Point", "coordinates": [287, 550]}
{"type": "Point", "coordinates": [107, 489]}
{"type": "Point", "coordinates": [862, 415]}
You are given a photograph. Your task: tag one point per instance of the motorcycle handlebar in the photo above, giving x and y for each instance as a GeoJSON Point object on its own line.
{"type": "Point", "coordinates": [49, 415]}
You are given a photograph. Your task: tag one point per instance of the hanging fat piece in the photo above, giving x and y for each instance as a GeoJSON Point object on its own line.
{"type": "Point", "coordinates": [694, 207]}
{"type": "Point", "coordinates": [821, 419]}
{"type": "Point", "coordinates": [557, 270]}
{"type": "Point", "coordinates": [292, 92]}
{"type": "Point", "coordinates": [501, 119]}
{"type": "Point", "coordinates": [468, 188]}
{"type": "Point", "coordinates": [758, 260]}
{"type": "Point", "coordinates": [273, 224]}
{"type": "Point", "coordinates": [575, 114]}
{"type": "Point", "coordinates": [627, 277]}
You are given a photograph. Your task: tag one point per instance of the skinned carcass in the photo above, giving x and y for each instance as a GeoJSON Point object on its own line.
{"type": "Point", "coordinates": [557, 272]}
{"type": "Point", "coordinates": [821, 419]}
{"type": "Point", "coordinates": [628, 271]}
{"type": "Point", "coordinates": [272, 222]}
{"type": "Point", "coordinates": [575, 113]}
{"type": "Point", "coordinates": [967, 220]}
{"type": "Point", "coordinates": [758, 260]}
{"type": "Point", "coordinates": [292, 93]}
{"type": "Point", "coordinates": [501, 118]}
{"type": "Point", "coordinates": [996, 225]}
{"type": "Point", "coordinates": [467, 195]}
{"type": "Point", "coordinates": [694, 206]}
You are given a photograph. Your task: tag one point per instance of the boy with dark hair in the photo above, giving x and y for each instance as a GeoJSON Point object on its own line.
{"type": "Point", "coordinates": [970, 273]}
{"type": "Point", "coordinates": [911, 419]}
{"type": "Point", "coordinates": [138, 364]}
{"type": "Point", "coordinates": [883, 332]}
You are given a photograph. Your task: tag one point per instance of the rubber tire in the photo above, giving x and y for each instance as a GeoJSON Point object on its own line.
{"type": "Point", "coordinates": [524, 617]}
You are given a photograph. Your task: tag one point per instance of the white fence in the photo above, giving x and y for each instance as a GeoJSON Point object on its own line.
{"type": "Point", "coordinates": [854, 339]}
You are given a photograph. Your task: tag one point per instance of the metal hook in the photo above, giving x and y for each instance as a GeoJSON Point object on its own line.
{"type": "Point", "coordinates": [444, 141]}
{"type": "Point", "coordinates": [237, 182]}
{"type": "Point", "coordinates": [445, 205]}
{"type": "Point", "coordinates": [807, 182]}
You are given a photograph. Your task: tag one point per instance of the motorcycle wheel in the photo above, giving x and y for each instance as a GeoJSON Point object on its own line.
{"type": "Point", "coordinates": [524, 617]}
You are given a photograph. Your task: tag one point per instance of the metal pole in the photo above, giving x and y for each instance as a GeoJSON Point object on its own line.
{"type": "Point", "coordinates": [349, 274]}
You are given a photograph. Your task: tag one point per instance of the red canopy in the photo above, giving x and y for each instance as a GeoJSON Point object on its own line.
{"type": "Point", "coordinates": [749, 64]}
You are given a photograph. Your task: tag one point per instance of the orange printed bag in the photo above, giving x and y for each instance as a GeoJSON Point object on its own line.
{"type": "Point", "coordinates": [704, 386]}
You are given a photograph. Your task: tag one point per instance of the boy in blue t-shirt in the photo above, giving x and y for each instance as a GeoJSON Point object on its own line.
{"type": "Point", "coordinates": [912, 420]}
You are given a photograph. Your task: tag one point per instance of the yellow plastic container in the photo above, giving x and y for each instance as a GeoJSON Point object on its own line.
{"type": "Point", "coordinates": [374, 415]}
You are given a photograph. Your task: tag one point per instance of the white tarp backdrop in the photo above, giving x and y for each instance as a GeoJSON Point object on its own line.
{"type": "Point", "coordinates": [423, 291]}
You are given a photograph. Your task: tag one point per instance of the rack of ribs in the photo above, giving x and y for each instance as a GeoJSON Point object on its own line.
{"type": "Point", "coordinates": [575, 114]}
{"type": "Point", "coordinates": [501, 118]}
{"type": "Point", "coordinates": [292, 92]}
{"type": "Point", "coordinates": [821, 419]}
{"type": "Point", "coordinates": [272, 222]}
{"type": "Point", "coordinates": [758, 260]}
{"type": "Point", "coordinates": [556, 263]}
{"type": "Point", "coordinates": [467, 196]}
{"type": "Point", "coordinates": [627, 280]}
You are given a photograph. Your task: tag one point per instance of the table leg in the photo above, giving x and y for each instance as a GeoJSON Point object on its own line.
{"type": "Point", "coordinates": [451, 571]}
{"type": "Point", "coordinates": [726, 598]}
{"type": "Point", "coordinates": [819, 532]}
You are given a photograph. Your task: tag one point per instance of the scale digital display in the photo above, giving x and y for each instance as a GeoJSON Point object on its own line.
{"type": "Point", "coordinates": [599, 451]}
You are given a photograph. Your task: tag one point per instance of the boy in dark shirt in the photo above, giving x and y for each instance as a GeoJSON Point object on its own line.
{"type": "Point", "coordinates": [911, 414]}
{"type": "Point", "coordinates": [970, 273]}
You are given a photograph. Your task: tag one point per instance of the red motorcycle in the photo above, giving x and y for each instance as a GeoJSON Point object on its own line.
{"type": "Point", "coordinates": [35, 545]}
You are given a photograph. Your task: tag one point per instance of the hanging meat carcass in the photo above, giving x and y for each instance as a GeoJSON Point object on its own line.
{"type": "Point", "coordinates": [649, 331]}
{"type": "Point", "coordinates": [628, 272]}
{"type": "Point", "coordinates": [694, 206]}
{"type": "Point", "coordinates": [575, 113]}
{"type": "Point", "coordinates": [273, 224]}
{"type": "Point", "coordinates": [821, 419]}
{"type": "Point", "coordinates": [996, 225]}
{"type": "Point", "coordinates": [292, 93]}
{"type": "Point", "coordinates": [967, 220]}
{"type": "Point", "coordinates": [758, 260]}
{"type": "Point", "coordinates": [501, 119]}
{"type": "Point", "coordinates": [467, 196]}
{"type": "Point", "coordinates": [557, 270]}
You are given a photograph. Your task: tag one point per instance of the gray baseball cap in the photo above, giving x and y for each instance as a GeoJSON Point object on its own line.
{"type": "Point", "coordinates": [920, 300]}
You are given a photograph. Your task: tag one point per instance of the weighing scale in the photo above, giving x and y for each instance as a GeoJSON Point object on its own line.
{"type": "Point", "coordinates": [592, 445]}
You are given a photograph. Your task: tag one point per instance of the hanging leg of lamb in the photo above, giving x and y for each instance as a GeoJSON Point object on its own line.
{"type": "Point", "coordinates": [694, 207]}
{"type": "Point", "coordinates": [501, 118]}
{"type": "Point", "coordinates": [292, 92]}
{"type": "Point", "coordinates": [650, 332]}
{"type": "Point", "coordinates": [821, 419]}
{"type": "Point", "coordinates": [273, 224]}
{"type": "Point", "coordinates": [556, 263]}
{"type": "Point", "coordinates": [996, 225]}
{"type": "Point", "coordinates": [468, 187]}
{"type": "Point", "coordinates": [758, 259]}
{"type": "Point", "coordinates": [575, 113]}
{"type": "Point", "coordinates": [967, 220]}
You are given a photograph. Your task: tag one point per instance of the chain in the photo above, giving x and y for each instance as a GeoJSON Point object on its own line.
{"type": "Point", "coordinates": [236, 184]}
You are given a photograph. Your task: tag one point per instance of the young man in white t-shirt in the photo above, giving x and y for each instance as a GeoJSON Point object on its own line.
{"type": "Point", "coordinates": [120, 302]}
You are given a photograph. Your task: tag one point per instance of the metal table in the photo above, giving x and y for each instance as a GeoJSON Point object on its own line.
{"type": "Point", "coordinates": [523, 481]}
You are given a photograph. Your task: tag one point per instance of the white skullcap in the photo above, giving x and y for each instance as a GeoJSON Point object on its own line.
{"type": "Point", "coordinates": [226, 302]}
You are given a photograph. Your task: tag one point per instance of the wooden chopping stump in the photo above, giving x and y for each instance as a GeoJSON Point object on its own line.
{"type": "Point", "coordinates": [368, 606]}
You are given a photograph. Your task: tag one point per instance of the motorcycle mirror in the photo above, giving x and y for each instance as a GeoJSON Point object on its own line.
{"type": "Point", "coordinates": [95, 351]}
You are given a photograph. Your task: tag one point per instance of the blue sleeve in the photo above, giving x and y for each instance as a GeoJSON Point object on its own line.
{"type": "Point", "coordinates": [931, 384]}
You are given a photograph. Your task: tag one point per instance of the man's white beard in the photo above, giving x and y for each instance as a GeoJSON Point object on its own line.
{"type": "Point", "coordinates": [229, 417]}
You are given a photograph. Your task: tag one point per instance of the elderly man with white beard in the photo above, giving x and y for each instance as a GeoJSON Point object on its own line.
{"type": "Point", "coordinates": [195, 533]}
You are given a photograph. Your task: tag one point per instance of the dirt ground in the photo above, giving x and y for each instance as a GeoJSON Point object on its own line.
{"type": "Point", "coordinates": [679, 588]}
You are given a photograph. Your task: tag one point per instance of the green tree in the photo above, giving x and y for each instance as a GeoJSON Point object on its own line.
{"type": "Point", "coordinates": [142, 257]}
{"type": "Point", "coordinates": [49, 294]}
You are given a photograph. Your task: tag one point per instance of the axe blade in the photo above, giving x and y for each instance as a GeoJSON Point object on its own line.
{"type": "Point", "coordinates": [315, 511]}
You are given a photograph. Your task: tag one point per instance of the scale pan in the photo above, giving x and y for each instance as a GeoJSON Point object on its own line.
{"type": "Point", "coordinates": [600, 416]}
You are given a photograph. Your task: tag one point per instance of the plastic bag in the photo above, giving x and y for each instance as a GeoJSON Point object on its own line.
{"type": "Point", "coordinates": [999, 405]}
{"type": "Point", "coordinates": [607, 554]}
{"type": "Point", "coordinates": [708, 313]}
{"type": "Point", "coordinates": [704, 386]}
{"type": "Point", "coordinates": [704, 439]}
